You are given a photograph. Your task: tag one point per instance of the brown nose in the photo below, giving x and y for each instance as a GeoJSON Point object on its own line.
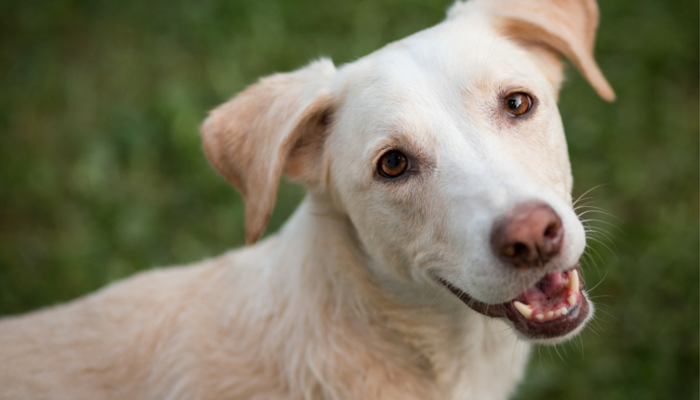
{"type": "Point", "coordinates": [529, 235]}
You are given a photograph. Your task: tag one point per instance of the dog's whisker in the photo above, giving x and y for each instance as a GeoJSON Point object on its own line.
{"type": "Point", "coordinates": [600, 327]}
{"type": "Point", "coordinates": [575, 343]}
{"type": "Point", "coordinates": [597, 210]}
{"type": "Point", "coordinates": [539, 353]}
{"type": "Point", "coordinates": [593, 224]}
{"type": "Point", "coordinates": [551, 356]}
{"type": "Point", "coordinates": [604, 245]}
{"type": "Point", "coordinates": [598, 284]}
{"type": "Point", "coordinates": [588, 258]}
{"type": "Point", "coordinates": [594, 211]}
{"type": "Point", "coordinates": [561, 347]}
{"type": "Point", "coordinates": [597, 234]}
{"type": "Point", "coordinates": [591, 328]}
{"type": "Point", "coordinates": [603, 222]}
{"type": "Point", "coordinates": [587, 262]}
{"type": "Point", "coordinates": [592, 251]}
{"type": "Point", "coordinates": [601, 232]}
{"type": "Point", "coordinates": [610, 315]}
{"type": "Point", "coordinates": [587, 203]}
{"type": "Point", "coordinates": [590, 190]}
{"type": "Point", "coordinates": [595, 239]}
{"type": "Point", "coordinates": [581, 201]}
{"type": "Point", "coordinates": [601, 235]}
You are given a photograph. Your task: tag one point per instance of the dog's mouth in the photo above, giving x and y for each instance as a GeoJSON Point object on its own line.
{"type": "Point", "coordinates": [552, 307]}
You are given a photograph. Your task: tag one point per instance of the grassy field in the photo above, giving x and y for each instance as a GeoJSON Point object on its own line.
{"type": "Point", "coordinates": [102, 173]}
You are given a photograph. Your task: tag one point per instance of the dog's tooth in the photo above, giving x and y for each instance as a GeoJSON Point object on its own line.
{"type": "Point", "coordinates": [563, 311]}
{"type": "Point", "coordinates": [539, 317]}
{"type": "Point", "coordinates": [524, 309]}
{"type": "Point", "coordinates": [571, 299]}
{"type": "Point", "coordinates": [573, 281]}
{"type": "Point", "coordinates": [550, 314]}
{"type": "Point", "coordinates": [557, 313]}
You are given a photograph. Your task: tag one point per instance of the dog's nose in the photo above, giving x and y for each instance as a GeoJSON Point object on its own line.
{"type": "Point", "coordinates": [529, 235]}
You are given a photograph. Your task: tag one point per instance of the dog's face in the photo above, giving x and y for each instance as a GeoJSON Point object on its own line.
{"type": "Point", "coordinates": [446, 152]}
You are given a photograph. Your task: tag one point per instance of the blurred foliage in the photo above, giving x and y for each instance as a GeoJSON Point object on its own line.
{"type": "Point", "coordinates": [102, 172]}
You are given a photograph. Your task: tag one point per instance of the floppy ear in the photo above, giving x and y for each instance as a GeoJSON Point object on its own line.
{"type": "Point", "coordinates": [566, 26]}
{"type": "Point", "coordinates": [274, 125]}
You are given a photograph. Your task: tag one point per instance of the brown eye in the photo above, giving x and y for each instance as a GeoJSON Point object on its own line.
{"type": "Point", "coordinates": [392, 164]}
{"type": "Point", "coordinates": [516, 104]}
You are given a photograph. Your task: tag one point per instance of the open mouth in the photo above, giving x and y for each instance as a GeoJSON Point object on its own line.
{"type": "Point", "coordinates": [552, 307]}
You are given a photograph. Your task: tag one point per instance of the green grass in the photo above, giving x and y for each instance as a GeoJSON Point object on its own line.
{"type": "Point", "coordinates": [102, 173]}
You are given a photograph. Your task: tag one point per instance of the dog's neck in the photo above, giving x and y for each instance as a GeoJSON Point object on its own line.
{"type": "Point", "coordinates": [365, 340]}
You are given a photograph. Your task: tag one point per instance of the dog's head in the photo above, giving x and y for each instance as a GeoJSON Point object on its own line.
{"type": "Point", "coordinates": [446, 152]}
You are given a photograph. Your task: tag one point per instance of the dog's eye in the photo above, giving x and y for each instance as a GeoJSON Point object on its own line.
{"type": "Point", "coordinates": [517, 104]}
{"type": "Point", "coordinates": [392, 164]}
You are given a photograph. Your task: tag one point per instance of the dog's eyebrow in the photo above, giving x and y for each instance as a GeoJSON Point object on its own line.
{"type": "Point", "coordinates": [488, 85]}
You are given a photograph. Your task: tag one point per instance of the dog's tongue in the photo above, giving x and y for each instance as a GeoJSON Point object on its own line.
{"type": "Point", "coordinates": [551, 297]}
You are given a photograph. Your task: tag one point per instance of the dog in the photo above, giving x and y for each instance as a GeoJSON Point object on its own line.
{"type": "Point", "coordinates": [438, 222]}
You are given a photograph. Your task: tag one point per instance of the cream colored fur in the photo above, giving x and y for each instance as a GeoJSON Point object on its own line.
{"type": "Point", "coordinates": [342, 302]}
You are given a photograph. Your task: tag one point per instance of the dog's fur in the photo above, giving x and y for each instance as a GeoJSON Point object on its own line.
{"type": "Point", "coordinates": [343, 302]}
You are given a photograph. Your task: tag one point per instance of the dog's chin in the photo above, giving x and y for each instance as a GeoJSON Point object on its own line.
{"type": "Point", "coordinates": [552, 310]}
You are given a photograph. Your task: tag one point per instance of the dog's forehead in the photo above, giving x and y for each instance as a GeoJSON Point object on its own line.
{"type": "Point", "coordinates": [445, 74]}
{"type": "Point", "coordinates": [458, 54]}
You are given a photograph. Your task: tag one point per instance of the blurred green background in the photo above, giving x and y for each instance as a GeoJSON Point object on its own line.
{"type": "Point", "coordinates": [102, 172]}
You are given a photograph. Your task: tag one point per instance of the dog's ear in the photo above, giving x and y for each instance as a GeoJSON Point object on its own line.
{"type": "Point", "coordinates": [566, 26]}
{"type": "Point", "coordinates": [275, 125]}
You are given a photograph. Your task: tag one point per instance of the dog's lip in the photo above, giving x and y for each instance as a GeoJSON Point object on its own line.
{"type": "Point", "coordinates": [532, 328]}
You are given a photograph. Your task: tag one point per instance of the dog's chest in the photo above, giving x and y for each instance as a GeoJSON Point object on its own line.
{"type": "Point", "coordinates": [488, 364]}
{"type": "Point", "coordinates": [485, 363]}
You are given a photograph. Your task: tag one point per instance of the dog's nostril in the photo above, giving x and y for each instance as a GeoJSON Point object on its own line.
{"type": "Point", "coordinates": [517, 250]}
{"type": "Point", "coordinates": [552, 230]}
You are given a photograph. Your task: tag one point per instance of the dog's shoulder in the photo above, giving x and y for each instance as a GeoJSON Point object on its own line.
{"type": "Point", "coordinates": [108, 342]}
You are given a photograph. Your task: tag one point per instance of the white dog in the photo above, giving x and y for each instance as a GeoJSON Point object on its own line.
{"type": "Point", "coordinates": [438, 222]}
